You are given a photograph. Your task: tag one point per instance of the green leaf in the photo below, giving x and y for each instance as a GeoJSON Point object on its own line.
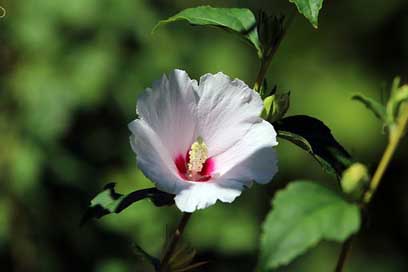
{"type": "Point", "coordinates": [237, 20]}
{"type": "Point", "coordinates": [303, 214]}
{"type": "Point", "coordinates": [315, 137]}
{"type": "Point", "coordinates": [109, 201]}
{"type": "Point", "coordinates": [377, 108]}
{"type": "Point", "coordinates": [310, 9]}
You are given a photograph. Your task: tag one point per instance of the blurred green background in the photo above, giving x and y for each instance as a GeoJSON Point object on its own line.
{"type": "Point", "coordinates": [70, 73]}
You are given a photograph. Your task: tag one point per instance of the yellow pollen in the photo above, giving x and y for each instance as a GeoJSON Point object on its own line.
{"type": "Point", "coordinates": [198, 154]}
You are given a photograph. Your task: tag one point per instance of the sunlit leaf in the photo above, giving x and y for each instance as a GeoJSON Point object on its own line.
{"type": "Point", "coordinates": [109, 201]}
{"type": "Point", "coordinates": [310, 9]}
{"type": "Point", "coordinates": [315, 137]}
{"type": "Point", "coordinates": [302, 215]}
{"type": "Point", "coordinates": [238, 20]}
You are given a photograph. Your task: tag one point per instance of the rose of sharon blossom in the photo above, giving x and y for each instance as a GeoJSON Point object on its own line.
{"type": "Point", "coordinates": [203, 141]}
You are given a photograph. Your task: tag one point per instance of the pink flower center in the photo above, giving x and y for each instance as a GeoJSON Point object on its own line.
{"type": "Point", "coordinates": [204, 175]}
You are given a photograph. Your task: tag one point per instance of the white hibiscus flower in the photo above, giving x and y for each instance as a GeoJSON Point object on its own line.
{"type": "Point", "coordinates": [203, 141]}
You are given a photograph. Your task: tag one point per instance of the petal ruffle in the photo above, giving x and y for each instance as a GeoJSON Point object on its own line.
{"type": "Point", "coordinates": [199, 195]}
{"type": "Point", "coordinates": [153, 158]}
{"type": "Point", "coordinates": [226, 110]}
{"type": "Point", "coordinates": [168, 108]}
{"type": "Point", "coordinates": [251, 158]}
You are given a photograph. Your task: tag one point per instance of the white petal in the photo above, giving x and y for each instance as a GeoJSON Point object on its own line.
{"type": "Point", "coordinates": [226, 110]}
{"type": "Point", "coordinates": [200, 195]}
{"type": "Point", "coordinates": [251, 158]}
{"type": "Point", "coordinates": [153, 158]}
{"type": "Point", "coordinates": [168, 108]}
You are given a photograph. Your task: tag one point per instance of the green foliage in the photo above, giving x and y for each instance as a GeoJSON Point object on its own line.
{"type": "Point", "coordinates": [109, 201]}
{"type": "Point", "coordinates": [24, 169]}
{"type": "Point", "coordinates": [237, 20]}
{"type": "Point", "coordinates": [310, 9]}
{"type": "Point", "coordinates": [377, 108]}
{"type": "Point", "coordinates": [112, 265]}
{"type": "Point", "coordinates": [238, 232]}
{"type": "Point", "coordinates": [4, 224]}
{"type": "Point", "coordinates": [303, 214]}
{"type": "Point", "coordinates": [315, 137]}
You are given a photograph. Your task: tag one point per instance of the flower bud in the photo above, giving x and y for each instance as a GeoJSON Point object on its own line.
{"type": "Point", "coordinates": [355, 179]}
{"type": "Point", "coordinates": [270, 31]}
{"type": "Point", "coordinates": [275, 106]}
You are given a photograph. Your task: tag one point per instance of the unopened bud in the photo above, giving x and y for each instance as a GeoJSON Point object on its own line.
{"type": "Point", "coordinates": [355, 179]}
{"type": "Point", "coordinates": [270, 32]}
{"type": "Point", "coordinates": [275, 106]}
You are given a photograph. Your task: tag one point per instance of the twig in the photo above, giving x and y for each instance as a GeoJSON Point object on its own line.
{"type": "Point", "coordinates": [345, 251]}
{"type": "Point", "coordinates": [396, 134]}
{"type": "Point", "coordinates": [174, 241]}
{"type": "Point", "coordinates": [262, 73]}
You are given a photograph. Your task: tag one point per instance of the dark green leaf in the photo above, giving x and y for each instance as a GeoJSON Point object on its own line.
{"type": "Point", "coordinates": [238, 20]}
{"type": "Point", "coordinates": [377, 108]}
{"type": "Point", "coordinates": [109, 201]}
{"type": "Point", "coordinates": [310, 9]}
{"type": "Point", "coordinates": [303, 214]}
{"type": "Point", "coordinates": [315, 137]}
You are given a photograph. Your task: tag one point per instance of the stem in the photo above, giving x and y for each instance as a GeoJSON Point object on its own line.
{"type": "Point", "coordinates": [395, 137]}
{"type": "Point", "coordinates": [261, 74]}
{"type": "Point", "coordinates": [345, 251]}
{"type": "Point", "coordinates": [174, 241]}
{"type": "Point", "coordinates": [396, 134]}
{"type": "Point", "coordinates": [267, 56]}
